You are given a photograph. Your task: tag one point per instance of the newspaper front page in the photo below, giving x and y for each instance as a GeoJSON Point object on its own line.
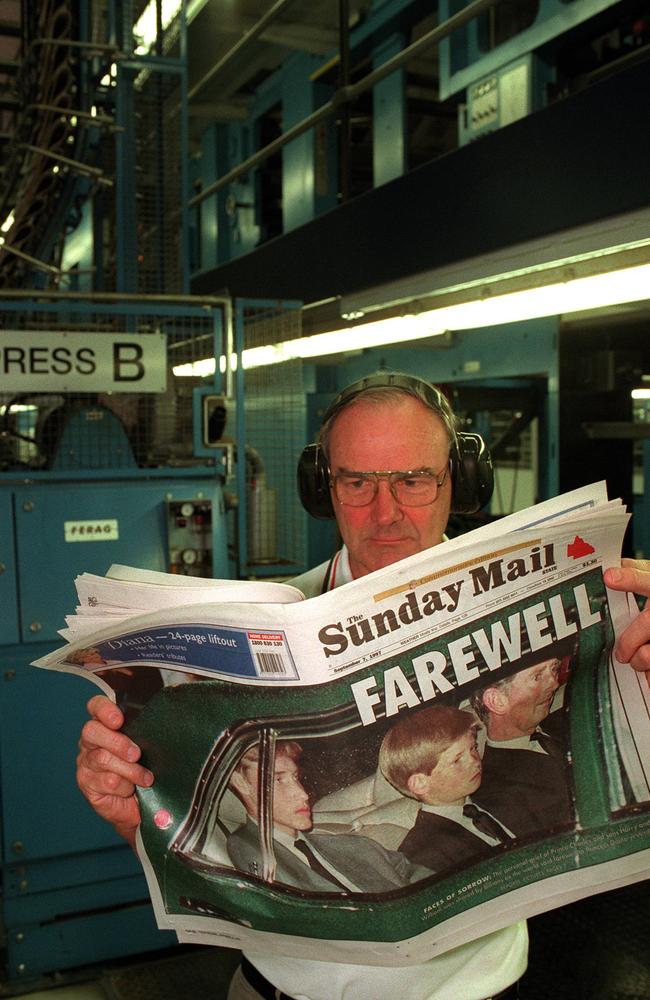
{"type": "Point", "coordinates": [406, 763]}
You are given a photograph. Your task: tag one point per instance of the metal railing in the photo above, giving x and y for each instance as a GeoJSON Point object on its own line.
{"type": "Point", "coordinates": [347, 94]}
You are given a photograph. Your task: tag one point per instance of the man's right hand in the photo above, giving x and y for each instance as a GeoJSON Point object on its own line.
{"type": "Point", "coordinates": [107, 768]}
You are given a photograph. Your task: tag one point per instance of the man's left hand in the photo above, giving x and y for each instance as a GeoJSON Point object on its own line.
{"type": "Point", "coordinates": [633, 645]}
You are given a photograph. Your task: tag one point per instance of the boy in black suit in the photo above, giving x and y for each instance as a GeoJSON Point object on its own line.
{"type": "Point", "coordinates": [432, 756]}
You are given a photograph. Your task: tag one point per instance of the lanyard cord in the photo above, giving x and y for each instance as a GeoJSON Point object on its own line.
{"type": "Point", "coordinates": [329, 580]}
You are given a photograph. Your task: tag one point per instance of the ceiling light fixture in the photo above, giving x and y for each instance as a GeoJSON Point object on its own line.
{"type": "Point", "coordinates": [631, 284]}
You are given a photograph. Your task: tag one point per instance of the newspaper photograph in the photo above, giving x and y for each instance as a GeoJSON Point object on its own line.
{"type": "Point", "coordinates": [419, 757]}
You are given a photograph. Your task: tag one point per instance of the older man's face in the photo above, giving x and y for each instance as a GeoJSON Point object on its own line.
{"type": "Point", "coordinates": [530, 694]}
{"type": "Point", "coordinates": [397, 436]}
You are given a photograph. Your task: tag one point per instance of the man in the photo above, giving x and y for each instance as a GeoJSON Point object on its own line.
{"type": "Point", "coordinates": [372, 429]}
{"type": "Point", "coordinates": [526, 775]}
{"type": "Point", "coordinates": [307, 859]}
{"type": "Point", "coordinates": [433, 756]}
{"type": "Point", "coordinates": [399, 429]}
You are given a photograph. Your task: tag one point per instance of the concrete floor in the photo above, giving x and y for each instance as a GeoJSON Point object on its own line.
{"type": "Point", "coordinates": [82, 991]}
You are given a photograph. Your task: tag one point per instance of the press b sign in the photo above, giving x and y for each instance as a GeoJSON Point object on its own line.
{"type": "Point", "coordinates": [58, 361]}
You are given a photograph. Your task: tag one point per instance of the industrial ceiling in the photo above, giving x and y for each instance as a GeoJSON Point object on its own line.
{"type": "Point", "coordinates": [235, 46]}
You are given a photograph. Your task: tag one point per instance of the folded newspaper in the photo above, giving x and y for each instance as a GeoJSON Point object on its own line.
{"type": "Point", "coordinates": [396, 767]}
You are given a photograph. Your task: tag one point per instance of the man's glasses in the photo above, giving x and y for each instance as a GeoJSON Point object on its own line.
{"type": "Point", "coordinates": [410, 489]}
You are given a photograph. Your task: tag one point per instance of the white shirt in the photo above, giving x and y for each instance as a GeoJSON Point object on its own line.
{"type": "Point", "coordinates": [518, 743]}
{"type": "Point", "coordinates": [455, 814]}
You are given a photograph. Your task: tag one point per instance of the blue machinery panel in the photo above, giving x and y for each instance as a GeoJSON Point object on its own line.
{"type": "Point", "coordinates": [465, 57]}
{"type": "Point", "coordinates": [136, 509]}
{"type": "Point", "coordinates": [59, 860]}
{"type": "Point", "coordinates": [73, 892]}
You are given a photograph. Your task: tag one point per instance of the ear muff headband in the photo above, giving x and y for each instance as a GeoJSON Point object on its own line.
{"type": "Point", "coordinates": [423, 391]}
{"type": "Point", "coordinates": [470, 460]}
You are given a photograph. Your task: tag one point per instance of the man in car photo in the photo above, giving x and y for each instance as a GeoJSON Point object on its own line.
{"type": "Point", "coordinates": [526, 774]}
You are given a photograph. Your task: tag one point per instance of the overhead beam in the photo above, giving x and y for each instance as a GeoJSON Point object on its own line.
{"type": "Point", "coordinates": [240, 46]}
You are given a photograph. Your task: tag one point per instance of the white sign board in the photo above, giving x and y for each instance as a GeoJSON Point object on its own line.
{"type": "Point", "coordinates": [58, 361]}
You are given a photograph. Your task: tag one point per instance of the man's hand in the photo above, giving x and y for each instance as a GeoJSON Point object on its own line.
{"type": "Point", "coordinates": [633, 644]}
{"type": "Point", "coordinates": [107, 768]}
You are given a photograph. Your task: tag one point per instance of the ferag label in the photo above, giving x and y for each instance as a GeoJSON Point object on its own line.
{"type": "Point", "coordinates": [106, 530]}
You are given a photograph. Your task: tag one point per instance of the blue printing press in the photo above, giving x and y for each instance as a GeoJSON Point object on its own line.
{"type": "Point", "coordinates": [73, 892]}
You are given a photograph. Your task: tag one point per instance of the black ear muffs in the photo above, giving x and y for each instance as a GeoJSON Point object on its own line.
{"type": "Point", "coordinates": [472, 475]}
{"type": "Point", "coordinates": [472, 478]}
{"type": "Point", "coordinates": [313, 483]}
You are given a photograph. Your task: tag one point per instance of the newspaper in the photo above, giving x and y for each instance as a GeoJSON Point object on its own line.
{"type": "Point", "coordinates": [286, 816]}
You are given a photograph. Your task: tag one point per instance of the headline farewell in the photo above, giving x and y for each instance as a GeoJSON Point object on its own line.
{"type": "Point", "coordinates": [436, 672]}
